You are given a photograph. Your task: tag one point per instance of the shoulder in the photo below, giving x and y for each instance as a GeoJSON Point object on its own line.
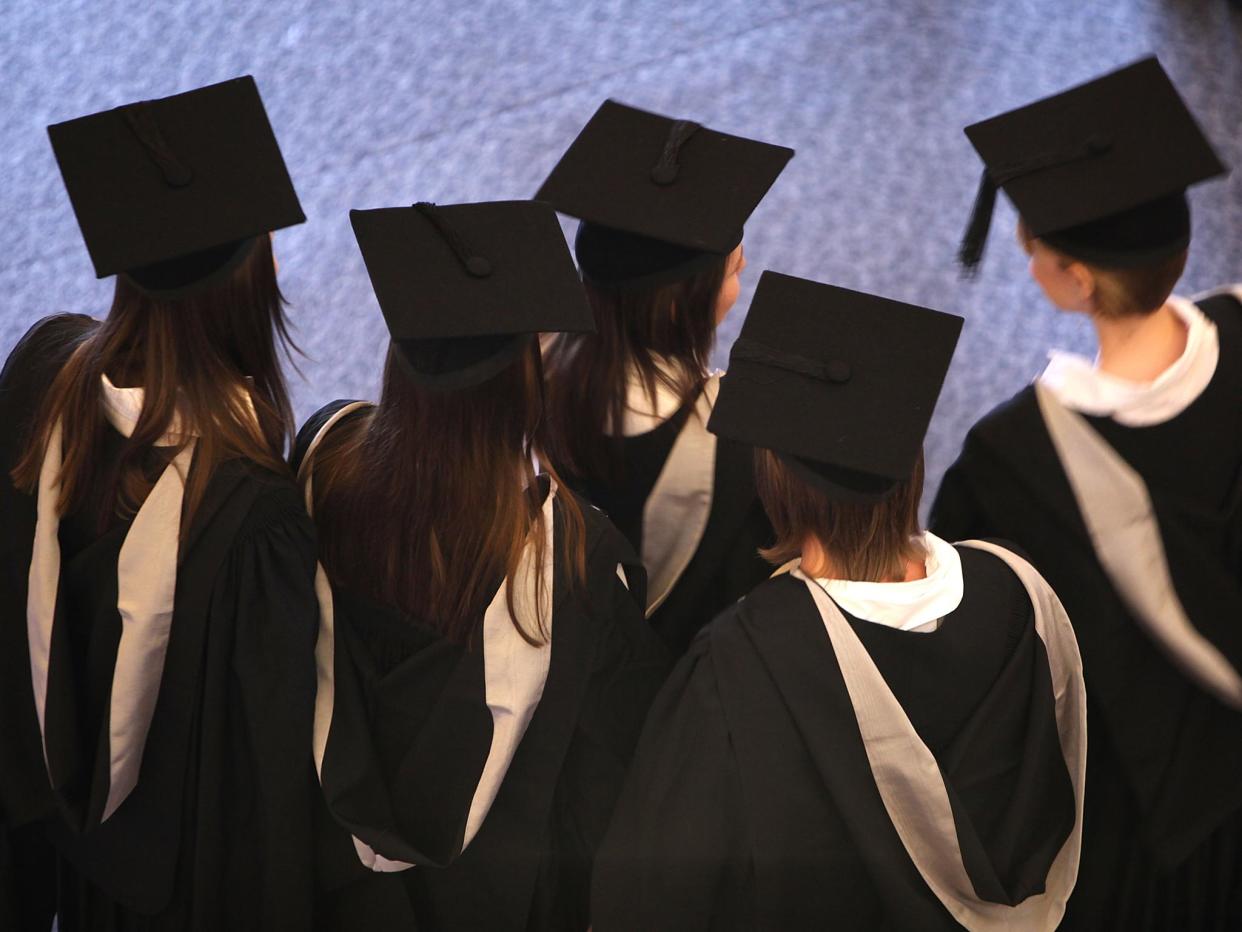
{"type": "Point", "coordinates": [777, 596]}
{"type": "Point", "coordinates": [55, 334]}
{"type": "Point", "coordinates": [314, 424]}
{"type": "Point", "coordinates": [45, 347]}
{"type": "Point", "coordinates": [274, 505]}
{"type": "Point", "coordinates": [1222, 305]}
{"type": "Point", "coordinates": [604, 546]}
{"type": "Point", "coordinates": [982, 568]}
{"type": "Point", "coordinates": [775, 592]}
{"type": "Point", "coordinates": [600, 534]}
{"type": "Point", "coordinates": [989, 577]}
{"type": "Point", "coordinates": [1008, 420]}
{"type": "Point", "coordinates": [993, 591]}
{"type": "Point", "coordinates": [1007, 441]}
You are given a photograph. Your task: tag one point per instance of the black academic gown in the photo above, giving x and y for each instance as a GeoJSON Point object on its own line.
{"type": "Point", "coordinates": [726, 564]}
{"type": "Point", "coordinates": [410, 734]}
{"type": "Point", "coordinates": [1162, 845]}
{"type": "Point", "coordinates": [216, 833]}
{"type": "Point", "coordinates": [751, 803]}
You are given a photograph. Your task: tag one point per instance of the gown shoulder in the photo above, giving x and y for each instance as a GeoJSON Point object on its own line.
{"type": "Point", "coordinates": [312, 426]}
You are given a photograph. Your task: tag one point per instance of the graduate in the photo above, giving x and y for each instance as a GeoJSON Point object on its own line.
{"type": "Point", "coordinates": [662, 203]}
{"type": "Point", "coordinates": [484, 665]}
{"type": "Point", "coordinates": [1122, 479]}
{"type": "Point", "coordinates": [889, 735]}
{"type": "Point", "coordinates": [157, 615]}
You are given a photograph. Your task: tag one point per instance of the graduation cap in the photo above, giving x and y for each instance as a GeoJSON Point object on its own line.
{"type": "Point", "coordinates": [173, 191]}
{"type": "Point", "coordinates": [1099, 171]}
{"type": "Point", "coordinates": [464, 288]}
{"type": "Point", "coordinates": [658, 197]}
{"type": "Point", "coordinates": [840, 384]}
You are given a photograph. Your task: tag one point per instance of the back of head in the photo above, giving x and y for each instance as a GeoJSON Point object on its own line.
{"type": "Point", "coordinates": [176, 197]}
{"type": "Point", "coordinates": [429, 503]}
{"type": "Point", "coordinates": [207, 358]}
{"type": "Point", "coordinates": [663, 203]}
{"type": "Point", "coordinates": [432, 501]}
{"type": "Point", "coordinates": [867, 541]}
{"type": "Point", "coordinates": [1099, 171]}
{"type": "Point", "coordinates": [1133, 289]}
{"type": "Point", "coordinates": [661, 333]}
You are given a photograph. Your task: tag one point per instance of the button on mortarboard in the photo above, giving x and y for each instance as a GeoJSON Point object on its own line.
{"type": "Point", "coordinates": [175, 178]}
{"type": "Point", "coordinates": [1106, 148]}
{"type": "Point", "coordinates": [840, 383]}
{"type": "Point", "coordinates": [463, 286]}
{"type": "Point", "coordinates": [655, 193]}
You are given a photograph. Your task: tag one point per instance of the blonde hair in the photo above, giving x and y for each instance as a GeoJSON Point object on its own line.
{"type": "Point", "coordinates": [868, 541]}
{"type": "Point", "coordinates": [1132, 292]}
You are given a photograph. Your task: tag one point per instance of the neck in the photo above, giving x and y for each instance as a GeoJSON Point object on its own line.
{"type": "Point", "coordinates": [1139, 348]}
{"type": "Point", "coordinates": [819, 563]}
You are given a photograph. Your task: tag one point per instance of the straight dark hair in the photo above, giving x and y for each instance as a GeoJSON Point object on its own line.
{"type": "Point", "coordinates": [427, 501]}
{"type": "Point", "coordinates": [588, 374]}
{"type": "Point", "coordinates": [867, 541]}
{"type": "Point", "coordinates": [198, 358]}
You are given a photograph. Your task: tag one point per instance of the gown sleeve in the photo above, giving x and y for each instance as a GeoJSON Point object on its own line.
{"type": "Point", "coordinates": [268, 809]}
{"type": "Point", "coordinates": [27, 866]}
{"type": "Point", "coordinates": [307, 433]}
{"type": "Point", "coordinates": [674, 855]}
{"type": "Point", "coordinates": [630, 663]}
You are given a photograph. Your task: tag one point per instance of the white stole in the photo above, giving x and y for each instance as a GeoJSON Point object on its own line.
{"type": "Point", "coordinates": [1121, 521]}
{"type": "Point", "coordinates": [676, 512]}
{"type": "Point", "coordinates": [146, 587]}
{"type": "Point", "coordinates": [515, 672]}
{"type": "Point", "coordinates": [909, 779]}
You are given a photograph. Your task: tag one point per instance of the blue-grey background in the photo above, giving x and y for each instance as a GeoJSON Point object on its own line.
{"type": "Point", "coordinates": [381, 102]}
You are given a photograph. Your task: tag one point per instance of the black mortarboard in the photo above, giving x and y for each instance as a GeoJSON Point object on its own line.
{"type": "Point", "coordinates": [172, 191]}
{"type": "Point", "coordinates": [464, 287]}
{"type": "Point", "coordinates": [1098, 171]}
{"type": "Point", "coordinates": [840, 384]}
{"type": "Point", "coordinates": [658, 197]}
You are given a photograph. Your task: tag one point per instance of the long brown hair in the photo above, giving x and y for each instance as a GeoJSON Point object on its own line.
{"type": "Point", "coordinates": [589, 373]}
{"type": "Point", "coordinates": [867, 541]}
{"type": "Point", "coordinates": [428, 501]}
{"type": "Point", "coordinates": [195, 357]}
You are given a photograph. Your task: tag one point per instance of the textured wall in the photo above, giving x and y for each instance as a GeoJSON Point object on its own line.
{"type": "Point", "coordinates": [387, 102]}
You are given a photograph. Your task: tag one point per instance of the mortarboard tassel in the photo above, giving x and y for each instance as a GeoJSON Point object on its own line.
{"type": "Point", "coordinates": [970, 252]}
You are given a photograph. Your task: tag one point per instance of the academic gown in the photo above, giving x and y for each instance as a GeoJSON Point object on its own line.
{"type": "Point", "coordinates": [752, 804]}
{"type": "Point", "coordinates": [725, 564]}
{"type": "Point", "coordinates": [1162, 844]}
{"type": "Point", "coordinates": [216, 832]}
{"type": "Point", "coordinates": [411, 731]}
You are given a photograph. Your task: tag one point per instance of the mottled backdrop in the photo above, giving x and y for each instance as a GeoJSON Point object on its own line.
{"type": "Point", "coordinates": [391, 101]}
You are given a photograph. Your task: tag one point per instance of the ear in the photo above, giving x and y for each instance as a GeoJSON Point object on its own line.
{"type": "Point", "coordinates": [1083, 280]}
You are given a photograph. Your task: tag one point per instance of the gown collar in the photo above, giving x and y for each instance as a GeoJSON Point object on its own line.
{"type": "Point", "coordinates": [917, 605]}
{"type": "Point", "coordinates": [1080, 385]}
